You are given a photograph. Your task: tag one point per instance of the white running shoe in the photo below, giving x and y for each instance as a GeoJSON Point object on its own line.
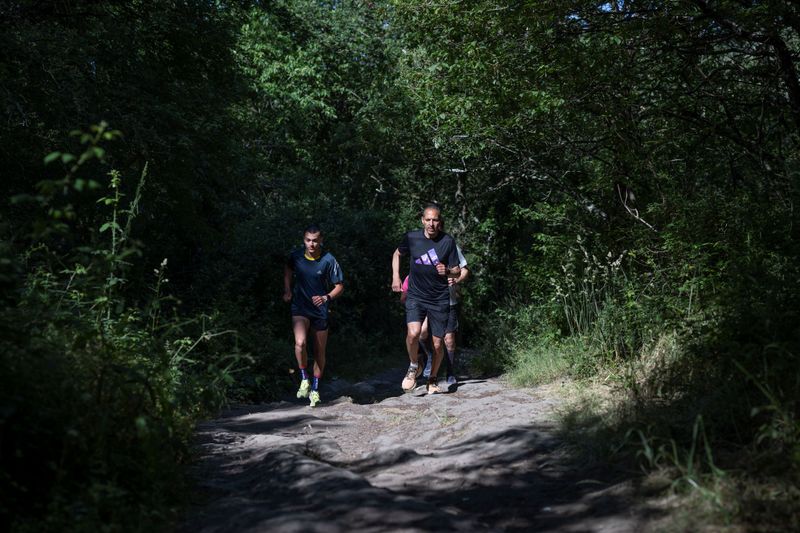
{"type": "Point", "coordinates": [313, 398]}
{"type": "Point", "coordinates": [410, 381]}
{"type": "Point", "coordinates": [433, 386]}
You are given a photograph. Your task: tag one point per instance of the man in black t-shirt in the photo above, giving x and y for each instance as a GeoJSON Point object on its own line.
{"type": "Point", "coordinates": [432, 259]}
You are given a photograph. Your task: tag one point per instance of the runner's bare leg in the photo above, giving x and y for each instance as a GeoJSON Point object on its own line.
{"type": "Point", "coordinates": [300, 325]}
{"type": "Point", "coordinates": [412, 341]}
{"type": "Point", "coordinates": [438, 353]}
{"type": "Point", "coordinates": [321, 338]}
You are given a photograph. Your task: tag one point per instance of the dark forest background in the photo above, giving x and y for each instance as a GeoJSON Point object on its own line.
{"type": "Point", "coordinates": [622, 177]}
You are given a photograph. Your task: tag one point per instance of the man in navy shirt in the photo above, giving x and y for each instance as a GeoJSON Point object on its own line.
{"type": "Point", "coordinates": [432, 259]}
{"type": "Point", "coordinates": [315, 272]}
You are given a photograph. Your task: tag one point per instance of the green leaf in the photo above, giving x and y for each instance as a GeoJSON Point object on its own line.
{"type": "Point", "coordinates": [52, 156]}
{"type": "Point", "coordinates": [20, 198]}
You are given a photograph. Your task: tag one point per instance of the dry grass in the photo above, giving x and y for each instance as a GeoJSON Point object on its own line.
{"type": "Point", "coordinates": [624, 417]}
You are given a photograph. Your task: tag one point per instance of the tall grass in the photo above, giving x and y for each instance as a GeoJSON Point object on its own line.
{"type": "Point", "coordinates": [98, 397]}
{"type": "Point", "coordinates": [579, 329]}
{"type": "Point", "coordinates": [540, 361]}
{"type": "Point", "coordinates": [687, 392]}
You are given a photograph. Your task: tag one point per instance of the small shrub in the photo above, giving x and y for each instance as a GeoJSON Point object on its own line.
{"type": "Point", "coordinates": [98, 398]}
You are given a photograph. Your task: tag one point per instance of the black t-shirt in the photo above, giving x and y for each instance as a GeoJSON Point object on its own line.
{"type": "Point", "coordinates": [312, 277]}
{"type": "Point", "coordinates": [424, 282]}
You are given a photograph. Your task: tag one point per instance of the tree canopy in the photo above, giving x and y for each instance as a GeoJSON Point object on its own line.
{"type": "Point", "coordinates": [621, 176]}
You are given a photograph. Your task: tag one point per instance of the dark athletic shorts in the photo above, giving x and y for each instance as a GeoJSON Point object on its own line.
{"type": "Point", "coordinates": [452, 320]}
{"type": "Point", "coordinates": [416, 311]}
{"type": "Point", "coordinates": [317, 323]}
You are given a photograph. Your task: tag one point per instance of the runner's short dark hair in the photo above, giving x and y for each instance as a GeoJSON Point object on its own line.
{"type": "Point", "coordinates": [432, 205]}
{"type": "Point", "coordinates": [312, 228]}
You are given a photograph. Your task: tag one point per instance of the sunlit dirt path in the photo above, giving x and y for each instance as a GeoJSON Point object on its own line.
{"type": "Point", "coordinates": [482, 458]}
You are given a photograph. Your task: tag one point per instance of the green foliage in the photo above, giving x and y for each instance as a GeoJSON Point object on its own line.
{"type": "Point", "coordinates": [98, 399]}
{"type": "Point", "coordinates": [139, 65]}
{"type": "Point", "coordinates": [313, 115]}
{"type": "Point", "coordinates": [664, 135]}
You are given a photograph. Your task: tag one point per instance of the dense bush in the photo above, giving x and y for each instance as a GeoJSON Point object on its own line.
{"type": "Point", "coordinates": [98, 398]}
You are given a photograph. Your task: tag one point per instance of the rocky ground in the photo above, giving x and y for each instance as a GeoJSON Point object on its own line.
{"type": "Point", "coordinates": [371, 458]}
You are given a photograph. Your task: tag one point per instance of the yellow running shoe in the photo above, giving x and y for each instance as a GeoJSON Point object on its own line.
{"type": "Point", "coordinates": [305, 386]}
{"type": "Point", "coordinates": [314, 398]}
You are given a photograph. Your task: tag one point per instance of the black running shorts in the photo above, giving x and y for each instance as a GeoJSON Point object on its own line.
{"type": "Point", "coordinates": [452, 320]}
{"type": "Point", "coordinates": [437, 314]}
{"type": "Point", "coordinates": [317, 323]}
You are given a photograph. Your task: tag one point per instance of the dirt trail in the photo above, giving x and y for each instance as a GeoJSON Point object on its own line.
{"type": "Point", "coordinates": [370, 458]}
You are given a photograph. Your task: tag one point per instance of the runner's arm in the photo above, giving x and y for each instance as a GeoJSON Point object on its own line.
{"type": "Point", "coordinates": [287, 283]}
{"type": "Point", "coordinates": [453, 259]}
{"type": "Point", "coordinates": [338, 289]}
{"type": "Point", "coordinates": [397, 284]}
{"type": "Point", "coordinates": [461, 277]}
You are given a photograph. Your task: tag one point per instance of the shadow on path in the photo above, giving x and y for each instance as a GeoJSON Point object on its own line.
{"type": "Point", "coordinates": [481, 459]}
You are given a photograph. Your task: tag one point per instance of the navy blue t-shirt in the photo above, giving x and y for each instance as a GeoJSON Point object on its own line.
{"type": "Point", "coordinates": [312, 277]}
{"type": "Point", "coordinates": [424, 282]}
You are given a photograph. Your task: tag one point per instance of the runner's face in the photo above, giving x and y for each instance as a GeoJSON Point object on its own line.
{"type": "Point", "coordinates": [431, 222]}
{"type": "Point", "coordinates": [313, 243]}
